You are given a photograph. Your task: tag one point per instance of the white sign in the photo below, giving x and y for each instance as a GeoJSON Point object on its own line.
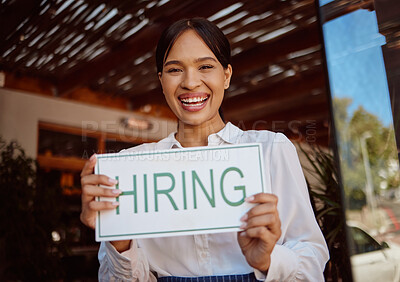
{"type": "Point", "coordinates": [180, 191]}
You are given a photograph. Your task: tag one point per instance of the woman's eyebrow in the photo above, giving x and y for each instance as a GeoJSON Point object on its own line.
{"type": "Point", "coordinates": [177, 62]}
{"type": "Point", "coordinates": [205, 59]}
{"type": "Point", "coordinates": [174, 62]}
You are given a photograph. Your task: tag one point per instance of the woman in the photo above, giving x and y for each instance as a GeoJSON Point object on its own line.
{"type": "Point", "coordinates": [279, 241]}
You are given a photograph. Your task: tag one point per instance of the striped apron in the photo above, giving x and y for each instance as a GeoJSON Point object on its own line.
{"type": "Point", "coordinates": [225, 278]}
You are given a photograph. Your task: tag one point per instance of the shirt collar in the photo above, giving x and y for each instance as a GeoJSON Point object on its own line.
{"type": "Point", "coordinates": [229, 134]}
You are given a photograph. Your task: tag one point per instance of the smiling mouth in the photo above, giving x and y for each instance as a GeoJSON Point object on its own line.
{"type": "Point", "coordinates": [194, 101]}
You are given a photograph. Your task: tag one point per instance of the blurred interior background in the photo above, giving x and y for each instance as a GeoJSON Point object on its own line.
{"type": "Point", "coordinates": [78, 77]}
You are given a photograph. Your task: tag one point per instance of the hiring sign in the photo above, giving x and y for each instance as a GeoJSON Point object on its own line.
{"type": "Point", "coordinates": [180, 191]}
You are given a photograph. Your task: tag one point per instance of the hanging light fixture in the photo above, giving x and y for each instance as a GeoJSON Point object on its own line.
{"type": "Point", "coordinates": [136, 123]}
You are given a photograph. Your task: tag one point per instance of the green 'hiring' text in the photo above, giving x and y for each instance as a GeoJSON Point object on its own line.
{"type": "Point", "coordinates": [196, 184]}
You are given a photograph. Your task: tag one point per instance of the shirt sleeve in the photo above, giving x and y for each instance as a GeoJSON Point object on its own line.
{"type": "Point", "coordinates": [301, 252]}
{"type": "Point", "coordinates": [131, 265]}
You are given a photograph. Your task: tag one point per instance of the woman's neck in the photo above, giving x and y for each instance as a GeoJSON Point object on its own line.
{"type": "Point", "coordinates": [197, 135]}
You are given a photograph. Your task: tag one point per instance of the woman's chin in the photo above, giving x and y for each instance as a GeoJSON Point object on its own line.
{"type": "Point", "coordinates": [203, 119]}
{"type": "Point", "coordinates": [192, 121]}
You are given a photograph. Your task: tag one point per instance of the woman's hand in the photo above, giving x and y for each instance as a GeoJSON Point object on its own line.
{"type": "Point", "coordinates": [90, 189]}
{"type": "Point", "coordinates": [261, 230]}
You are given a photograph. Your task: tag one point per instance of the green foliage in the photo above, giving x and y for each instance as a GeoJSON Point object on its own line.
{"type": "Point", "coordinates": [27, 215]}
{"type": "Point", "coordinates": [381, 146]}
{"type": "Point", "coordinates": [381, 150]}
{"type": "Point", "coordinates": [326, 197]}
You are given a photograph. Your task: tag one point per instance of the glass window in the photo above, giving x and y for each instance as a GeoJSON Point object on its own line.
{"type": "Point", "coordinates": [114, 146]}
{"type": "Point", "coordinates": [53, 143]}
{"type": "Point", "coordinates": [363, 242]}
{"type": "Point", "coordinates": [356, 42]}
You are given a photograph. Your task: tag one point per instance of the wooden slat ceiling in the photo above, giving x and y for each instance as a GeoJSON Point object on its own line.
{"type": "Point", "coordinates": [107, 48]}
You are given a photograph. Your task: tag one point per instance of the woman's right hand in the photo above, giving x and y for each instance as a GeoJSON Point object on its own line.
{"type": "Point", "coordinates": [90, 190]}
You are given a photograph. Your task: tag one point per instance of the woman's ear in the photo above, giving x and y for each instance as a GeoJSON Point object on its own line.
{"type": "Point", "coordinates": [228, 75]}
{"type": "Point", "coordinates": [160, 79]}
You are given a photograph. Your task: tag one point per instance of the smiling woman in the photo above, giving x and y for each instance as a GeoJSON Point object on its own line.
{"type": "Point", "coordinates": [193, 81]}
{"type": "Point", "coordinates": [195, 72]}
{"type": "Point", "coordinates": [277, 241]}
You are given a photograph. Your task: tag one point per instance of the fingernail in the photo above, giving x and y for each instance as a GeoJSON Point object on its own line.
{"type": "Point", "coordinates": [244, 218]}
{"type": "Point", "coordinates": [243, 226]}
{"type": "Point", "coordinates": [92, 157]}
{"type": "Point", "coordinates": [242, 234]}
{"type": "Point", "coordinates": [112, 181]}
{"type": "Point", "coordinates": [115, 203]}
{"type": "Point", "coordinates": [249, 199]}
{"type": "Point", "coordinates": [116, 191]}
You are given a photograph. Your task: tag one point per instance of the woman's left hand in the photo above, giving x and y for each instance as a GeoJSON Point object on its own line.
{"type": "Point", "coordinates": [261, 230]}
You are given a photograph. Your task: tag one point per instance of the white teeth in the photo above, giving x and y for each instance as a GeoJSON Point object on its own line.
{"type": "Point", "coordinates": [193, 100]}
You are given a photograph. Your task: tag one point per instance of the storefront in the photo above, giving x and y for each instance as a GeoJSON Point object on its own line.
{"type": "Point", "coordinates": [78, 77]}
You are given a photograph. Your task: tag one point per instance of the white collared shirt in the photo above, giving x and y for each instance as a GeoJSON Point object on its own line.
{"type": "Point", "coordinates": [299, 255]}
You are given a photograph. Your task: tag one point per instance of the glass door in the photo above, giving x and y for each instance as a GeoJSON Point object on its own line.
{"type": "Point", "coordinates": [362, 48]}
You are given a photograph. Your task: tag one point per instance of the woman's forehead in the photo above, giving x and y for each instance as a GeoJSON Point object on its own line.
{"type": "Point", "coordinates": [190, 44]}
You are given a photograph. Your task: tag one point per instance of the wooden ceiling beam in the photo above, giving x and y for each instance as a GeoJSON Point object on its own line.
{"type": "Point", "coordinates": [29, 84]}
{"type": "Point", "coordinates": [301, 99]}
{"type": "Point", "coordinates": [117, 56]}
{"type": "Point", "coordinates": [46, 23]}
{"type": "Point", "coordinates": [312, 113]}
{"type": "Point", "coordinates": [154, 96]}
{"type": "Point", "coordinates": [336, 9]}
{"type": "Point", "coordinates": [271, 23]}
{"type": "Point", "coordinates": [290, 88]}
{"type": "Point", "coordinates": [265, 53]}
{"type": "Point", "coordinates": [12, 15]}
{"type": "Point", "coordinates": [133, 47]}
{"type": "Point", "coordinates": [84, 95]}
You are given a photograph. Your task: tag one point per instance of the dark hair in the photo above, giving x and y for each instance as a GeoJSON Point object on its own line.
{"type": "Point", "coordinates": [209, 32]}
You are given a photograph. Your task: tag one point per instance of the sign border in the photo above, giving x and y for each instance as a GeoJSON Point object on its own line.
{"type": "Point", "coordinates": [131, 154]}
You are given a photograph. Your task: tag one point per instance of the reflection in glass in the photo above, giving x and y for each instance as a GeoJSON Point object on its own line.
{"type": "Point", "coordinates": [60, 144]}
{"type": "Point", "coordinates": [371, 260]}
{"type": "Point", "coordinates": [366, 141]}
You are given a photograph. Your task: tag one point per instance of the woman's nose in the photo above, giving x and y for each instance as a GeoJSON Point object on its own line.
{"type": "Point", "coordinates": [190, 80]}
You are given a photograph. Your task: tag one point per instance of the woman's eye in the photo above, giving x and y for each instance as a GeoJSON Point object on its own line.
{"type": "Point", "coordinates": [173, 70]}
{"type": "Point", "coordinates": [205, 67]}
